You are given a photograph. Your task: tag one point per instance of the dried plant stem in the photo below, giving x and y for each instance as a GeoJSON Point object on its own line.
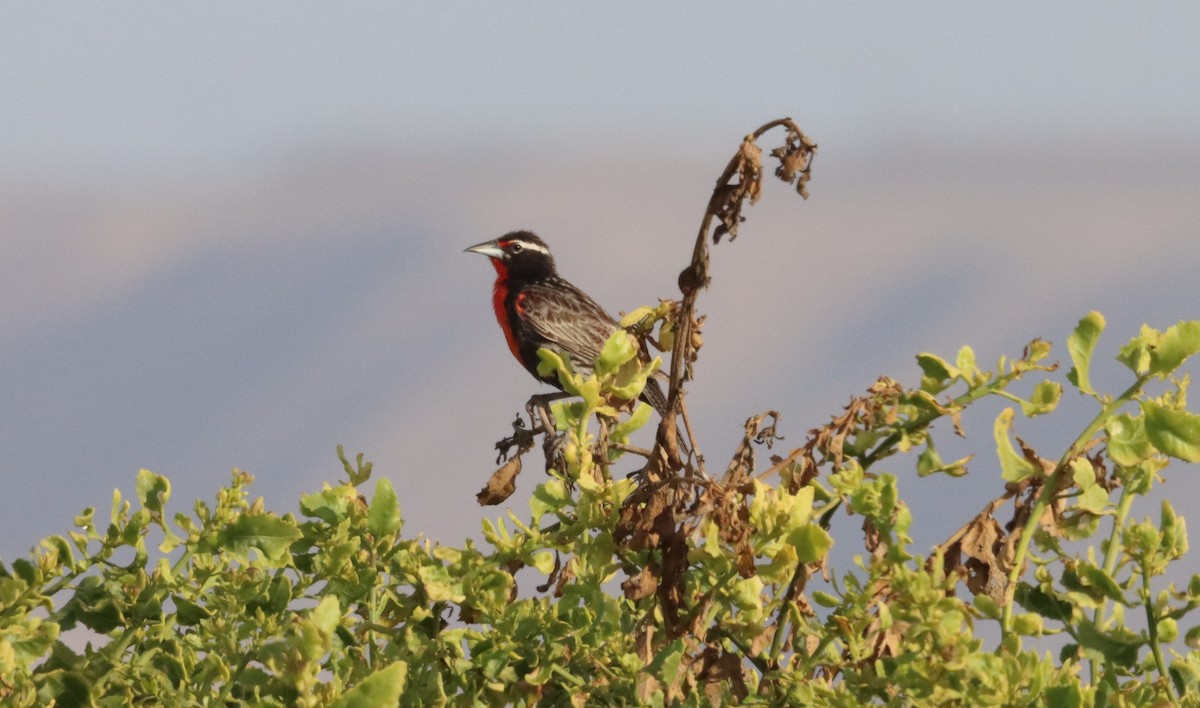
{"type": "Point", "coordinates": [725, 201]}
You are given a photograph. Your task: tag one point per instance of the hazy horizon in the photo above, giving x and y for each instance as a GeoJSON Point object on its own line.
{"type": "Point", "coordinates": [233, 236]}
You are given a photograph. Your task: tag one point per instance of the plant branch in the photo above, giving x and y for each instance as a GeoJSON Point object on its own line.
{"type": "Point", "coordinates": [726, 201]}
{"type": "Point", "coordinates": [1048, 491]}
{"type": "Point", "coordinates": [1152, 628]}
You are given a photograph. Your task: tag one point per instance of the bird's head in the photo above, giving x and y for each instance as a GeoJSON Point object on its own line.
{"type": "Point", "coordinates": [518, 253]}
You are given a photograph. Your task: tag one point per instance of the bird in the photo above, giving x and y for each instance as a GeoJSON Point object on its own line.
{"type": "Point", "coordinates": [536, 308]}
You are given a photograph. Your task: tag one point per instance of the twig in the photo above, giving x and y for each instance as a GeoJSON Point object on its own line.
{"type": "Point", "coordinates": [795, 164]}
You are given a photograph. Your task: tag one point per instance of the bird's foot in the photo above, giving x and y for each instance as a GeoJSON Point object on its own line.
{"type": "Point", "coordinates": [539, 412]}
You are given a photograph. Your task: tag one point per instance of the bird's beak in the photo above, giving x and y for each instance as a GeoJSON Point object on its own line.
{"type": "Point", "coordinates": [487, 248]}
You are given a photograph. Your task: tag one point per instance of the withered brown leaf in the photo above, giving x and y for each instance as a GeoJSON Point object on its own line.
{"type": "Point", "coordinates": [641, 585]}
{"type": "Point", "coordinates": [501, 485]}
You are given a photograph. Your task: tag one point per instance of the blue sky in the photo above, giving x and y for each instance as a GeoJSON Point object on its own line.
{"type": "Point", "coordinates": [232, 233]}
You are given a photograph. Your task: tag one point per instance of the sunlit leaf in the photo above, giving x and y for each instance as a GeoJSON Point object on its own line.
{"type": "Point", "coordinates": [268, 534]}
{"type": "Point", "coordinates": [625, 427]}
{"type": "Point", "coordinates": [543, 562]}
{"type": "Point", "coordinates": [937, 372]}
{"type": "Point", "coordinates": [1176, 344]}
{"type": "Point", "coordinates": [825, 599]}
{"type": "Point", "coordinates": [1092, 497]}
{"type": "Point", "coordinates": [438, 584]}
{"type": "Point", "coordinates": [1044, 399]}
{"type": "Point", "coordinates": [1136, 352]}
{"type": "Point", "coordinates": [383, 516]}
{"type": "Point", "coordinates": [152, 490]}
{"type": "Point", "coordinates": [929, 462]}
{"type": "Point", "coordinates": [965, 363]}
{"type": "Point", "coordinates": [1014, 466]}
{"type": "Point", "coordinates": [620, 348]}
{"type": "Point", "coordinates": [1128, 443]}
{"type": "Point", "coordinates": [666, 663]}
{"type": "Point", "coordinates": [1192, 638]}
{"type": "Point", "coordinates": [1028, 624]}
{"type": "Point", "coordinates": [636, 316]}
{"type": "Point", "coordinates": [1174, 432]}
{"type": "Point", "coordinates": [381, 689]}
{"type": "Point", "coordinates": [1081, 344]}
{"type": "Point", "coordinates": [811, 541]}
{"type": "Point", "coordinates": [331, 504]}
{"type": "Point", "coordinates": [1118, 645]}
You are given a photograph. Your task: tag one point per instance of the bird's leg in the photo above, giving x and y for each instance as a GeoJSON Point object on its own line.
{"type": "Point", "coordinates": [544, 418]}
{"type": "Point", "coordinates": [552, 442]}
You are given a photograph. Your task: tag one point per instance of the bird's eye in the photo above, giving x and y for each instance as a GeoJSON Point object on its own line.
{"type": "Point", "coordinates": [516, 248]}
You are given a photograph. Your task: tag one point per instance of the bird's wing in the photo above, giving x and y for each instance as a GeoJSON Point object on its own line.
{"type": "Point", "coordinates": [565, 316]}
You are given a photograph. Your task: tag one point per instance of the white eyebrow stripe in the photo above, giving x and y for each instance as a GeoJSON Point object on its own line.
{"type": "Point", "coordinates": [531, 246]}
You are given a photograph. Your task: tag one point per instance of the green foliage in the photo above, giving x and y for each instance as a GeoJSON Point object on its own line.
{"type": "Point", "coordinates": [721, 596]}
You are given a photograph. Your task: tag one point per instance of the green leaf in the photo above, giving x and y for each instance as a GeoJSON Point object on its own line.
{"type": "Point", "coordinates": [1128, 444]}
{"type": "Point", "coordinates": [119, 509]}
{"type": "Point", "coordinates": [327, 614]}
{"type": "Point", "coordinates": [631, 379]}
{"type": "Point", "coordinates": [1014, 466]}
{"type": "Point", "coordinates": [1140, 539]}
{"type": "Point", "coordinates": [639, 315]}
{"type": "Point", "coordinates": [1136, 353]}
{"type": "Point", "coordinates": [589, 390]}
{"type": "Point", "coordinates": [28, 641]}
{"type": "Point", "coordinates": [152, 490]}
{"type": "Point", "coordinates": [551, 362]}
{"type": "Point", "coordinates": [1168, 630]}
{"type": "Point", "coordinates": [548, 496]}
{"type": "Point", "coordinates": [937, 372]}
{"type": "Point", "coordinates": [383, 516]}
{"type": "Point", "coordinates": [1081, 344]}
{"type": "Point", "coordinates": [1174, 346]}
{"type": "Point", "coordinates": [1068, 696]}
{"type": "Point", "coordinates": [1174, 432]}
{"type": "Point", "coordinates": [543, 561]}
{"type": "Point", "coordinates": [666, 663]}
{"type": "Point", "coordinates": [929, 462]}
{"type": "Point", "coordinates": [624, 428]}
{"type": "Point", "coordinates": [966, 363]}
{"type": "Point", "coordinates": [1047, 605]}
{"type": "Point", "coordinates": [360, 472]}
{"type": "Point", "coordinates": [68, 688]}
{"type": "Point", "coordinates": [824, 599]}
{"type": "Point", "coordinates": [381, 689]}
{"type": "Point", "coordinates": [1044, 399]}
{"type": "Point", "coordinates": [747, 594]}
{"type": "Point", "coordinates": [267, 533]}
{"type": "Point", "coordinates": [1038, 349]}
{"type": "Point", "coordinates": [331, 504]}
{"type": "Point", "coordinates": [620, 348]}
{"type": "Point", "coordinates": [1173, 532]}
{"type": "Point", "coordinates": [987, 607]}
{"type": "Point", "coordinates": [811, 541]}
{"type": "Point", "coordinates": [1192, 638]}
{"type": "Point", "coordinates": [1093, 497]}
{"type": "Point", "coordinates": [1093, 581]}
{"type": "Point", "coordinates": [58, 553]}
{"type": "Point", "coordinates": [1161, 353]}
{"type": "Point", "coordinates": [567, 414]}
{"type": "Point", "coordinates": [1028, 624]}
{"type": "Point", "coordinates": [188, 613]}
{"type": "Point", "coordinates": [1185, 672]}
{"type": "Point", "coordinates": [1119, 645]}
{"type": "Point", "coordinates": [438, 584]}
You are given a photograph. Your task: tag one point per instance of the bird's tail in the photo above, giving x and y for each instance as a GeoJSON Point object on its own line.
{"type": "Point", "coordinates": [654, 395]}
